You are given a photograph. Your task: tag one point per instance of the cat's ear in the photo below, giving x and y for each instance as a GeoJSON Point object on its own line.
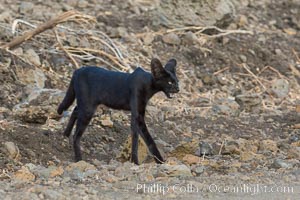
{"type": "Point", "coordinates": [171, 66]}
{"type": "Point", "coordinates": [157, 69]}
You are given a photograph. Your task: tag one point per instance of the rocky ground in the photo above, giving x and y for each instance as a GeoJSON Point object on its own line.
{"type": "Point", "coordinates": [231, 133]}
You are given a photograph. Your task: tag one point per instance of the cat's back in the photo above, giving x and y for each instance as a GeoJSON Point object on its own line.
{"type": "Point", "coordinates": [94, 73]}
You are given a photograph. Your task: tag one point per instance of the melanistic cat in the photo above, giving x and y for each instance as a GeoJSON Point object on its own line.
{"type": "Point", "coordinates": [92, 86]}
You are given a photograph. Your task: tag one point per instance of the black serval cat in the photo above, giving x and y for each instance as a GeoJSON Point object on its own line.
{"type": "Point", "coordinates": [92, 86]}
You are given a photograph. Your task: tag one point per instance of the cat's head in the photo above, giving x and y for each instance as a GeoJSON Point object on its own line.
{"type": "Point", "coordinates": [165, 77]}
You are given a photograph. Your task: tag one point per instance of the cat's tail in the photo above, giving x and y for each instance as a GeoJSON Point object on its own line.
{"type": "Point", "coordinates": [69, 98]}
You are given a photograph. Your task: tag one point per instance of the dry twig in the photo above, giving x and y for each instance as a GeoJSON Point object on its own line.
{"type": "Point", "coordinates": [64, 50]}
{"type": "Point", "coordinates": [254, 76]}
{"type": "Point", "coordinates": [66, 16]}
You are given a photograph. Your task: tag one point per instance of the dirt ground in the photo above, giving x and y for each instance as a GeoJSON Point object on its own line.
{"type": "Point", "coordinates": [216, 75]}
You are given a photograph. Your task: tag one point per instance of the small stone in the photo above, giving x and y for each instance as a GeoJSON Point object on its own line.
{"type": "Point", "coordinates": [81, 166]}
{"type": "Point", "coordinates": [32, 57]}
{"type": "Point", "coordinates": [278, 52]}
{"type": "Point", "coordinates": [52, 194]}
{"type": "Point", "coordinates": [278, 163]}
{"type": "Point", "coordinates": [125, 153]}
{"type": "Point", "coordinates": [146, 177]}
{"type": "Point", "coordinates": [148, 38]}
{"type": "Point", "coordinates": [171, 38]}
{"type": "Point", "coordinates": [191, 159]}
{"type": "Point", "coordinates": [26, 7]}
{"type": "Point", "coordinates": [243, 21]}
{"type": "Point", "coordinates": [40, 106]}
{"type": "Point", "coordinates": [280, 88]}
{"type": "Point", "coordinates": [243, 58]}
{"type": "Point", "coordinates": [118, 32]}
{"type": "Point", "coordinates": [231, 147]}
{"type": "Point", "coordinates": [107, 123]}
{"type": "Point", "coordinates": [249, 102]}
{"type": "Point", "coordinates": [246, 156]}
{"type": "Point", "coordinates": [205, 148]}
{"type": "Point", "coordinates": [175, 170]}
{"type": "Point", "coordinates": [226, 107]}
{"type": "Point", "coordinates": [189, 38]}
{"type": "Point", "coordinates": [268, 145]}
{"type": "Point", "coordinates": [208, 79]}
{"type": "Point", "coordinates": [185, 148]}
{"type": "Point", "coordinates": [290, 31]}
{"type": "Point", "coordinates": [110, 178]}
{"type": "Point", "coordinates": [50, 172]}
{"type": "Point", "coordinates": [11, 149]}
{"type": "Point", "coordinates": [82, 4]}
{"type": "Point", "coordinates": [5, 16]}
{"type": "Point", "coordinates": [294, 153]}
{"type": "Point", "coordinates": [198, 169]}
{"type": "Point", "coordinates": [24, 175]}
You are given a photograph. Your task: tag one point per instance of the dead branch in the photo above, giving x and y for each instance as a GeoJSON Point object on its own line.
{"type": "Point", "coordinates": [109, 56]}
{"type": "Point", "coordinates": [66, 16]}
{"type": "Point", "coordinates": [220, 71]}
{"type": "Point", "coordinates": [64, 50]}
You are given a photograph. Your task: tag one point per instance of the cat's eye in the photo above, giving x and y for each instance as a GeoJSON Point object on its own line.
{"type": "Point", "coordinates": [170, 83]}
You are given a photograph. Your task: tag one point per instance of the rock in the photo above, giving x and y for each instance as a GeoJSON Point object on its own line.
{"type": "Point", "coordinates": [243, 21]}
{"type": "Point", "coordinates": [39, 106]}
{"type": "Point", "coordinates": [198, 169]}
{"type": "Point", "coordinates": [4, 113]}
{"type": "Point", "coordinates": [226, 107]}
{"type": "Point", "coordinates": [243, 58]}
{"type": "Point", "coordinates": [294, 153]}
{"type": "Point", "coordinates": [268, 145]}
{"type": "Point", "coordinates": [171, 38]}
{"type": "Point", "coordinates": [280, 88]}
{"type": "Point", "coordinates": [5, 16]}
{"type": "Point", "coordinates": [249, 102]}
{"type": "Point", "coordinates": [200, 13]}
{"type": "Point", "coordinates": [106, 122]}
{"type": "Point", "coordinates": [125, 153]}
{"type": "Point", "coordinates": [50, 172]}
{"type": "Point", "coordinates": [246, 145]}
{"type": "Point", "coordinates": [278, 163]}
{"type": "Point", "coordinates": [79, 170]}
{"type": "Point", "coordinates": [231, 147]}
{"type": "Point", "coordinates": [189, 38]}
{"type": "Point", "coordinates": [208, 79]}
{"type": "Point", "coordinates": [82, 3]}
{"type": "Point", "coordinates": [205, 148]}
{"type": "Point", "coordinates": [32, 57]}
{"type": "Point", "coordinates": [175, 170]}
{"type": "Point", "coordinates": [279, 52]}
{"type": "Point", "coordinates": [82, 166]}
{"type": "Point", "coordinates": [246, 156]}
{"type": "Point", "coordinates": [11, 149]}
{"type": "Point", "coordinates": [26, 7]}
{"type": "Point", "coordinates": [185, 148]}
{"type": "Point", "coordinates": [32, 78]}
{"type": "Point", "coordinates": [23, 175]}
{"type": "Point", "coordinates": [148, 38]}
{"type": "Point", "coordinates": [146, 177]}
{"type": "Point", "coordinates": [124, 171]}
{"type": "Point", "coordinates": [191, 159]}
{"type": "Point", "coordinates": [290, 31]}
{"type": "Point", "coordinates": [110, 178]}
{"type": "Point", "coordinates": [53, 194]}
{"type": "Point", "coordinates": [118, 32]}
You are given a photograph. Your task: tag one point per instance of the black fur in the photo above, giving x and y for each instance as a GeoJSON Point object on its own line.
{"type": "Point", "coordinates": [92, 86]}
